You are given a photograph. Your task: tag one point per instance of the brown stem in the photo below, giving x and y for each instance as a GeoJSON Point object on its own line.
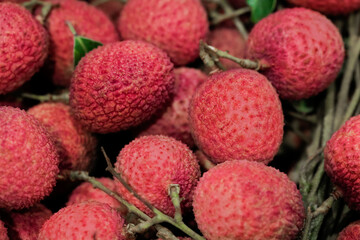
{"type": "Point", "coordinates": [207, 59]}
{"type": "Point", "coordinates": [222, 17]}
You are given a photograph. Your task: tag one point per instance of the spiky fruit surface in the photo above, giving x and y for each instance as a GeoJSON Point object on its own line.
{"type": "Point", "coordinates": [26, 224]}
{"type": "Point", "coordinates": [88, 220]}
{"type": "Point", "coordinates": [88, 21]}
{"type": "Point", "coordinates": [174, 122]}
{"type": "Point", "coordinates": [331, 7]}
{"type": "Point", "coordinates": [237, 115]}
{"type": "Point", "coordinates": [255, 201]}
{"type": "Point", "coordinates": [150, 164]}
{"type": "Point", "coordinates": [28, 160]}
{"type": "Point", "coordinates": [341, 161]}
{"type": "Point", "coordinates": [351, 232]}
{"type": "Point", "coordinates": [303, 48]}
{"type": "Point", "coordinates": [76, 146]}
{"type": "Point", "coordinates": [120, 85]}
{"type": "Point", "coordinates": [174, 26]}
{"type": "Point", "coordinates": [23, 46]}
{"type": "Point", "coordinates": [3, 232]}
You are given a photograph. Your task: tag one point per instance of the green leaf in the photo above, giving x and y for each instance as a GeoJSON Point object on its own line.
{"type": "Point", "coordinates": [260, 8]}
{"type": "Point", "coordinates": [303, 106]}
{"type": "Point", "coordinates": [82, 46]}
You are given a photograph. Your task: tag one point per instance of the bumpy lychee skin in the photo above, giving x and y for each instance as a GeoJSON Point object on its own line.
{"type": "Point", "coordinates": [120, 85]}
{"type": "Point", "coordinates": [28, 160]}
{"type": "Point", "coordinates": [303, 49]}
{"type": "Point", "coordinates": [341, 161]}
{"type": "Point", "coordinates": [329, 7]}
{"type": "Point", "coordinates": [88, 21]}
{"type": "Point", "coordinates": [174, 122]}
{"type": "Point", "coordinates": [174, 26]}
{"type": "Point", "coordinates": [88, 220]}
{"type": "Point", "coordinates": [230, 40]}
{"type": "Point", "coordinates": [23, 46]}
{"type": "Point", "coordinates": [3, 232]}
{"type": "Point", "coordinates": [351, 232]}
{"type": "Point", "coordinates": [150, 164]}
{"type": "Point", "coordinates": [76, 146]}
{"type": "Point", "coordinates": [237, 115]}
{"type": "Point", "coordinates": [255, 201]}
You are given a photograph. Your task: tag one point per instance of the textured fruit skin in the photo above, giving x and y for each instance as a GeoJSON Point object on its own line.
{"type": "Point", "coordinates": [341, 161]}
{"type": "Point", "coordinates": [237, 115]}
{"type": "Point", "coordinates": [120, 85]}
{"type": "Point", "coordinates": [150, 164]}
{"type": "Point", "coordinates": [28, 160]}
{"type": "Point", "coordinates": [88, 21]}
{"type": "Point", "coordinates": [329, 7]}
{"type": "Point", "coordinates": [3, 232]}
{"type": "Point", "coordinates": [82, 221]}
{"type": "Point", "coordinates": [174, 26]}
{"type": "Point", "coordinates": [27, 224]}
{"type": "Point", "coordinates": [76, 146]}
{"type": "Point", "coordinates": [230, 40]}
{"type": "Point", "coordinates": [304, 50]}
{"type": "Point", "coordinates": [24, 46]}
{"type": "Point", "coordinates": [255, 201]}
{"type": "Point", "coordinates": [174, 122]}
{"type": "Point", "coordinates": [351, 232]}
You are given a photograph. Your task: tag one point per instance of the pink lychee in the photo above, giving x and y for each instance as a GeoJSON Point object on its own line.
{"type": "Point", "coordinates": [330, 7]}
{"type": "Point", "coordinates": [351, 232]}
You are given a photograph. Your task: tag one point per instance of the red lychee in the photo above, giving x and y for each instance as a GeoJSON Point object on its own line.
{"type": "Point", "coordinates": [351, 232]}
{"type": "Point", "coordinates": [303, 49]}
{"type": "Point", "coordinates": [341, 161]}
{"type": "Point", "coordinates": [174, 122]}
{"type": "Point", "coordinates": [237, 115]}
{"type": "Point", "coordinates": [76, 146]}
{"type": "Point", "coordinates": [120, 85]}
{"type": "Point", "coordinates": [174, 26]}
{"type": "Point", "coordinates": [150, 164]}
{"type": "Point", "coordinates": [87, 220]}
{"type": "Point", "coordinates": [28, 160]}
{"type": "Point", "coordinates": [330, 7]}
{"type": "Point", "coordinates": [3, 232]}
{"type": "Point", "coordinates": [23, 46]}
{"type": "Point", "coordinates": [255, 201]}
{"type": "Point", "coordinates": [88, 21]}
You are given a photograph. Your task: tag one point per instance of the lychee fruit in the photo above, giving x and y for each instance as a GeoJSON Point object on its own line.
{"type": "Point", "coordinates": [351, 232]}
{"type": "Point", "coordinates": [174, 26]}
{"type": "Point", "coordinates": [76, 146]}
{"type": "Point", "coordinates": [23, 46]}
{"type": "Point", "coordinates": [87, 220]}
{"type": "Point", "coordinates": [88, 22]}
{"type": "Point", "coordinates": [111, 8]}
{"type": "Point", "coordinates": [120, 85]}
{"type": "Point", "coordinates": [150, 164]}
{"type": "Point", "coordinates": [254, 200]}
{"type": "Point", "coordinates": [3, 231]}
{"type": "Point", "coordinates": [329, 7]}
{"type": "Point", "coordinates": [303, 50]}
{"type": "Point", "coordinates": [28, 160]}
{"type": "Point", "coordinates": [174, 122]}
{"type": "Point", "coordinates": [341, 161]}
{"type": "Point", "coordinates": [237, 115]}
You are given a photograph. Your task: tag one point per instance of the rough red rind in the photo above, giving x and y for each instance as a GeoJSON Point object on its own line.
{"type": "Point", "coordinates": [230, 40]}
{"type": "Point", "coordinates": [23, 46]}
{"type": "Point", "coordinates": [3, 232]}
{"type": "Point", "coordinates": [120, 85]}
{"type": "Point", "coordinates": [28, 160]}
{"type": "Point", "coordinates": [304, 49]}
{"type": "Point", "coordinates": [150, 164]}
{"type": "Point", "coordinates": [342, 161]}
{"type": "Point", "coordinates": [82, 221]}
{"type": "Point", "coordinates": [236, 115]}
{"type": "Point", "coordinates": [76, 146]}
{"type": "Point", "coordinates": [329, 7]}
{"type": "Point", "coordinates": [174, 122]}
{"type": "Point", "coordinates": [88, 21]}
{"type": "Point", "coordinates": [255, 201]}
{"type": "Point", "coordinates": [174, 26]}
{"type": "Point", "coordinates": [351, 232]}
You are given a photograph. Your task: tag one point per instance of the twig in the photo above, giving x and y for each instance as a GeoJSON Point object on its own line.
{"type": "Point", "coordinates": [310, 119]}
{"type": "Point", "coordinates": [329, 114]}
{"type": "Point", "coordinates": [207, 59]}
{"type": "Point", "coordinates": [174, 191]}
{"type": "Point", "coordinates": [63, 97]}
{"type": "Point", "coordinates": [164, 233]}
{"type": "Point", "coordinates": [222, 17]}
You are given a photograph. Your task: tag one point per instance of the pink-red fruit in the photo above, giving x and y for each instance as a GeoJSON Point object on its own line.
{"type": "Point", "coordinates": [303, 50]}
{"type": "Point", "coordinates": [331, 7]}
{"type": "Point", "coordinates": [23, 46]}
{"type": "Point", "coordinates": [3, 232]}
{"type": "Point", "coordinates": [255, 201]}
{"type": "Point", "coordinates": [174, 26]}
{"type": "Point", "coordinates": [120, 85]}
{"type": "Point", "coordinates": [237, 115]}
{"type": "Point", "coordinates": [351, 232]}
{"type": "Point", "coordinates": [28, 160]}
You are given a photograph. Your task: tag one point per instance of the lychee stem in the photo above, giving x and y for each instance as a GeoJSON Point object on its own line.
{"type": "Point", "coordinates": [62, 97]}
{"type": "Point", "coordinates": [355, 98]}
{"type": "Point", "coordinates": [222, 17]}
{"type": "Point", "coordinates": [99, 2]}
{"type": "Point", "coordinates": [174, 191]}
{"type": "Point", "coordinates": [208, 60]}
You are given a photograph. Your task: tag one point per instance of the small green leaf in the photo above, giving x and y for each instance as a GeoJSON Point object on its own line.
{"type": "Point", "coordinates": [260, 8]}
{"type": "Point", "coordinates": [303, 106]}
{"type": "Point", "coordinates": [82, 46]}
